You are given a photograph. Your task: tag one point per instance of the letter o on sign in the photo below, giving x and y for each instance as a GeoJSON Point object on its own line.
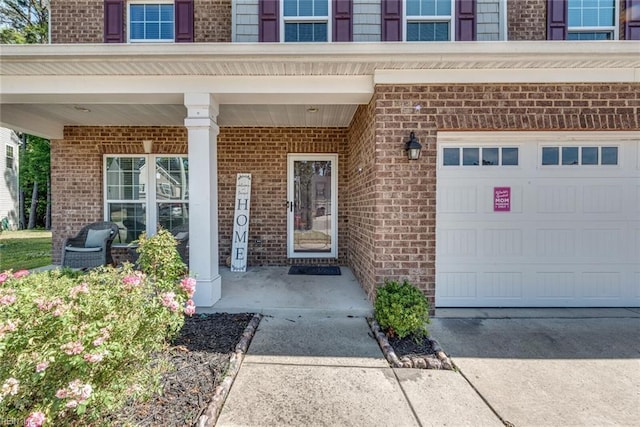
{"type": "Point", "coordinates": [241, 220]}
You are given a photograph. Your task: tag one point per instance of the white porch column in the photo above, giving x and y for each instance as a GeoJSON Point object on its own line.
{"type": "Point", "coordinates": [202, 113]}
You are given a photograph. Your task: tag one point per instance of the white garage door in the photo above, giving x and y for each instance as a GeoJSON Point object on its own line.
{"type": "Point", "coordinates": [538, 219]}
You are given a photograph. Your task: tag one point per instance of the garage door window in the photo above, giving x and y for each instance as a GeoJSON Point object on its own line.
{"type": "Point", "coordinates": [480, 156]}
{"type": "Point", "coordinates": [575, 156]}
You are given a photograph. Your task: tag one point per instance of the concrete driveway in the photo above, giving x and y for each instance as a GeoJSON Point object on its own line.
{"type": "Point", "coordinates": [548, 366]}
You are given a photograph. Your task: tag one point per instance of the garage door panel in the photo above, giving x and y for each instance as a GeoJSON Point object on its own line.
{"type": "Point", "coordinates": [554, 199]}
{"type": "Point", "coordinates": [498, 242]}
{"type": "Point", "coordinates": [502, 285]}
{"type": "Point", "coordinates": [602, 199]}
{"type": "Point", "coordinates": [458, 242]}
{"type": "Point", "coordinates": [458, 199]}
{"type": "Point", "coordinates": [603, 245]}
{"type": "Point", "coordinates": [556, 242]}
{"type": "Point", "coordinates": [601, 285]}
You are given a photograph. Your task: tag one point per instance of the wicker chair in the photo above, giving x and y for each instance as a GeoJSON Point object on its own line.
{"type": "Point", "coordinates": [91, 247]}
{"type": "Point", "coordinates": [181, 233]}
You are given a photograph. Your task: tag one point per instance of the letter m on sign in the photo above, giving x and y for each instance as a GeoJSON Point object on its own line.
{"type": "Point", "coordinates": [240, 242]}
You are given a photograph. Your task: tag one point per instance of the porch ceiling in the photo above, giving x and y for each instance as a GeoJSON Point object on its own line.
{"type": "Point", "coordinates": [45, 87]}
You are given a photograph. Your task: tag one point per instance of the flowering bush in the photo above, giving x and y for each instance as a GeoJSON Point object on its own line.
{"type": "Point", "coordinates": [73, 349]}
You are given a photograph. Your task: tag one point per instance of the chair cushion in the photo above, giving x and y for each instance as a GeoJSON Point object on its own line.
{"type": "Point", "coordinates": [79, 249]}
{"type": "Point", "coordinates": [95, 238]}
{"type": "Point", "coordinates": [183, 235]}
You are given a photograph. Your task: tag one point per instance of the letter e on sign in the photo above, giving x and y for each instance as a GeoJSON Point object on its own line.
{"type": "Point", "coordinates": [501, 199]}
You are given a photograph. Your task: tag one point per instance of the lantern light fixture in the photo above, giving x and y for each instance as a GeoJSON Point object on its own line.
{"type": "Point", "coordinates": [413, 147]}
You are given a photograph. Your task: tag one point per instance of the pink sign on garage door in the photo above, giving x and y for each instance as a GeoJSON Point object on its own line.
{"type": "Point", "coordinates": [501, 199]}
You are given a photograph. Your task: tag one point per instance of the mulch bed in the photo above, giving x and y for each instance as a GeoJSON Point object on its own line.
{"type": "Point", "coordinates": [411, 352]}
{"type": "Point", "coordinates": [201, 356]}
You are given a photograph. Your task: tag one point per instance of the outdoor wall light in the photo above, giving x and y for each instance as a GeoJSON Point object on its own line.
{"type": "Point", "coordinates": [412, 147]}
{"type": "Point", "coordinates": [148, 146]}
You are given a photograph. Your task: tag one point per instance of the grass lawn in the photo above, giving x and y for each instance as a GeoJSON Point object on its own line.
{"type": "Point", "coordinates": [24, 249]}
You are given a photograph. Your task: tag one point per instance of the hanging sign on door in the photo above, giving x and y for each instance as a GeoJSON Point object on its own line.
{"type": "Point", "coordinates": [240, 239]}
{"type": "Point", "coordinates": [501, 199]}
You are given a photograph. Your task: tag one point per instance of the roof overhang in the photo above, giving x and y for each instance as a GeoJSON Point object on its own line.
{"type": "Point", "coordinates": [271, 84]}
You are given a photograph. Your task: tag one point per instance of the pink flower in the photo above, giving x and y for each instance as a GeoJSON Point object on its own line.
{"type": "Point", "coordinates": [80, 289]}
{"type": "Point", "coordinates": [42, 366]}
{"type": "Point", "coordinates": [188, 284]}
{"type": "Point", "coordinates": [72, 348]}
{"type": "Point", "coordinates": [76, 392]}
{"type": "Point", "coordinates": [104, 335]}
{"type": "Point", "coordinates": [7, 297]}
{"type": "Point", "coordinates": [10, 386]}
{"type": "Point", "coordinates": [168, 300]}
{"type": "Point", "coordinates": [133, 280]}
{"type": "Point", "coordinates": [35, 419]}
{"type": "Point", "coordinates": [94, 358]}
{"type": "Point", "coordinates": [43, 304]}
{"type": "Point", "coordinates": [20, 273]}
{"type": "Point", "coordinates": [190, 308]}
{"type": "Point", "coordinates": [10, 326]}
{"type": "Point", "coordinates": [3, 277]}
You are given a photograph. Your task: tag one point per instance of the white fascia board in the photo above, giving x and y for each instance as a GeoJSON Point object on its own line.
{"type": "Point", "coordinates": [527, 75]}
{"type": "Point", "coordinates": [309, 50]}
{"type": "Point", "coordinates": [506, 137]}
{"type": "Point", "coordinates": [31, 123]}
{"type": "Point", "coordinates": [169, 89]}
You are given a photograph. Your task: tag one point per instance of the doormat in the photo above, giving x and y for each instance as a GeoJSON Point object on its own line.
{"type": "Point", "coordinates": [315, 270]}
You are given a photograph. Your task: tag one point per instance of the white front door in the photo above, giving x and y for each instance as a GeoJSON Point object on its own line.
{"type": "Point", "coordinates": [312, 208]}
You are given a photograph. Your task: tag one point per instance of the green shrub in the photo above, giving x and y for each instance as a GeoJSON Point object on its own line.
{"type": "Point", "coordinates": [73, 349]}
{"type": "Point", "coordinates": [402, 309]}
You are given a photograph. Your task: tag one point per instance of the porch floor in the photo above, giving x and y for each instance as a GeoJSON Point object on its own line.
{"type": "Point", "coordinates": [271, 291]}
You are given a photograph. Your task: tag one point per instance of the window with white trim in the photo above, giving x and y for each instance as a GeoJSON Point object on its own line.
{"type": "Point", "coordinates": [592, 20]}
{"type": "Point", "coordinates": [429, 20]}
{"type": "Point", "coordinates": [151, 21]}
{"type": "Point", "coordinates": [9, 157]}
{"type": "Point", "coordinates": [573, 155]}
{"type": "Point", "coordinates": [480, 156]}
{"type": "Point", "coordinates": [306, 20]}
{"type": "Point", "coordinates": [143, 191]}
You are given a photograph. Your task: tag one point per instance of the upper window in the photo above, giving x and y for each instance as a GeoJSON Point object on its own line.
{"type": "Point", "coordinates": [591, 20]}
{"type": "Point", "coordinates": [151, 22]}
{"type": "Point", "coordinates": [575, 156]}
{"type": "Point", "coordinates": [306, 20]}
{"type": "Point", "coordinates": [429, 20]}
{"type": "Point", "coordinates": [480, 156]}
{"type": "Point", "coordinates": [142, 191]}
{"type": "Point", "coordinates": [9, 156]}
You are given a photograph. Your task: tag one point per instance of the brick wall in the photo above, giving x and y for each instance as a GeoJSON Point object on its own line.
{"type": "Point", "coordinates": [76, 171]}
{"type": "Point", "coordinates": [77, 21]}
{"type": "Point", "coordinates": [77, 179]}
{"type": "Point", "coordinates": [212, 21]}
{"type": "Point", "coordinates": [527, 19]}
{"type": "Point", "coordinates": [361, 208]}
{"type": "Point", "coordinates": [82, 21]}
{"type": "Point", "coordinates": [405, 199]}
{"type": "Point", "coordinates": [263, 153]}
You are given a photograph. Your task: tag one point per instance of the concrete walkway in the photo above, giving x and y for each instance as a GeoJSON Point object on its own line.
{"type": "Point", "coordinates": [323, 371]}
{"type": "Point", "coordinates": [549, 367]}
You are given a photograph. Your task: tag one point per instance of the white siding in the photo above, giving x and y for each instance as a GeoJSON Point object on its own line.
{"type": "Point", "coordinates": [366, 21]}
{"type": "Point", "coordinates": [9, 207]}
{"type": "Point", "coordinates": [488, 20]}
{"type": "Point", "coordinates": [245, 21]}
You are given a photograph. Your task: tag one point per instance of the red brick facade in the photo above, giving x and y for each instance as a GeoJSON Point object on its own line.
{"type": "Point", "coordinates": [404, 201]}
{"type": "Point", "coordinates": [527, 20]}
{"type": "Point", "coordinates": [387, 204]}
{"type": "Point", "coordinates": [82, 21]}
{"type": "Point", "coordinates": [77, 21]}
